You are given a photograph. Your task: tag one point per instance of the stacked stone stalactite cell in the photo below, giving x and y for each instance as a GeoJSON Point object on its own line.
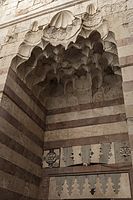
{"type": "Point", "coordinates": [79, 63]}
{"type": "Point", "coordinates": [87, 70]}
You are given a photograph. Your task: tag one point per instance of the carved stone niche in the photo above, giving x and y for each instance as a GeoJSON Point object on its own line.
{"type": "Point", "coordinates": [87, 67]}
{"type": "Point", "coordinates": [71, 60]}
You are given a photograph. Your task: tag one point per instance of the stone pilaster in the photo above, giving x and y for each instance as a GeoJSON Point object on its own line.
{"type": "Point", "coordinates": [126, 63]}
{"type": "Point", "coordinates": [125, 50]}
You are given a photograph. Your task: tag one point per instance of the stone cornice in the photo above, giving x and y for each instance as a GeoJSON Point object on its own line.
{"type": "Point", "coordinates": [40, 13]}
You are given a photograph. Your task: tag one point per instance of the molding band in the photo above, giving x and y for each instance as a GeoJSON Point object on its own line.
{"type": "Point", "coordinates": [86, 141]}
{"type": "Point", "coordinates": [86, 122]}
{"type": "Point", "coordinates": [87, 106]}
{"type": "Point", "coordinates": [92, 169]}
{"type": "Point", "coordinates": [40, 13]}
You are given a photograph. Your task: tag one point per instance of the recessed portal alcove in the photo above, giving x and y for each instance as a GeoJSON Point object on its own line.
{"type": "Point", "coordinates": [64, 96]}
{"type": "Point", "coordinates": [87, 71]}
{"type": "Point", "coordinates": [84, 76]}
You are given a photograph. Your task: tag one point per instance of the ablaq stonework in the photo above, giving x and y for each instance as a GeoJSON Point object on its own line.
{"type": "Point", "coordinates": [66, 99]}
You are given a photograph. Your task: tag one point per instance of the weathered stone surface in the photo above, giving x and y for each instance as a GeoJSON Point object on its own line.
{"type": "Point", "coordinates": [62, 86]}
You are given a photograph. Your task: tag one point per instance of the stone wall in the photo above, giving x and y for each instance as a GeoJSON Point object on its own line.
{"type": "Point", "coordinates": [82, 136]}
{"type": "Point", "coordinates": [22, 120]}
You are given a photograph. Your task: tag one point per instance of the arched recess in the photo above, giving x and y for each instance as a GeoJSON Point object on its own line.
{"type": "Point", "coordinates": [70, 62]}
{"type": "Point", "coordinates": [46, 54]}
{"type": "Point", "coordinates": [91, 58]}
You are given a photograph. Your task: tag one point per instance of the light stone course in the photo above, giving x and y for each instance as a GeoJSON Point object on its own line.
{"type": "Point", "coordinates": [127, 73]}
{"type": "Point", "coordinates": [98, 112]}
{"type": "Point", "coordinates": [88, 131]}
{"type": "Point", "coordinates": [125, 51]}
{"type": "Point", "coordinates": [129, 98]}
{"type": "Point", "coordinates": [17, 159]}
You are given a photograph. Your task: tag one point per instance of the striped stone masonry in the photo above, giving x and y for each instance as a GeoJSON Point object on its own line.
{"type": "Point", "coordinates": [22, 126]}
{"type": "Point", "coordinates": [86, 122]}
{"type": "Point", "coordinates": [71, 148]}
{"type": "Point", "coordinates": [126, 62]}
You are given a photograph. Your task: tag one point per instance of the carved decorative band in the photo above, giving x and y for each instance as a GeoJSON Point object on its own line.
{"type": "Point", "coordinates": [7, 194]}
{"type": "Point", "coordinates": [86, 141]}
{"type": "Point", "coordinates": [86, 122]}
{"type": "Point", "coordinates": [18, 125]}
{"type": "Point", "coordinates": [87, 106]}
{"type": "Point", "coordinates": [90, 186]}
{"type": "Point", "coordinates": [21, 104]}
{"type": "Point", "coordinates": [14, 76]}
{"type": "Point", "coordinates": [14, 170]}
{"type": "Point", "coordinates": [19, 149]}
{"type": "Point", "coordinates": [117, 152]}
